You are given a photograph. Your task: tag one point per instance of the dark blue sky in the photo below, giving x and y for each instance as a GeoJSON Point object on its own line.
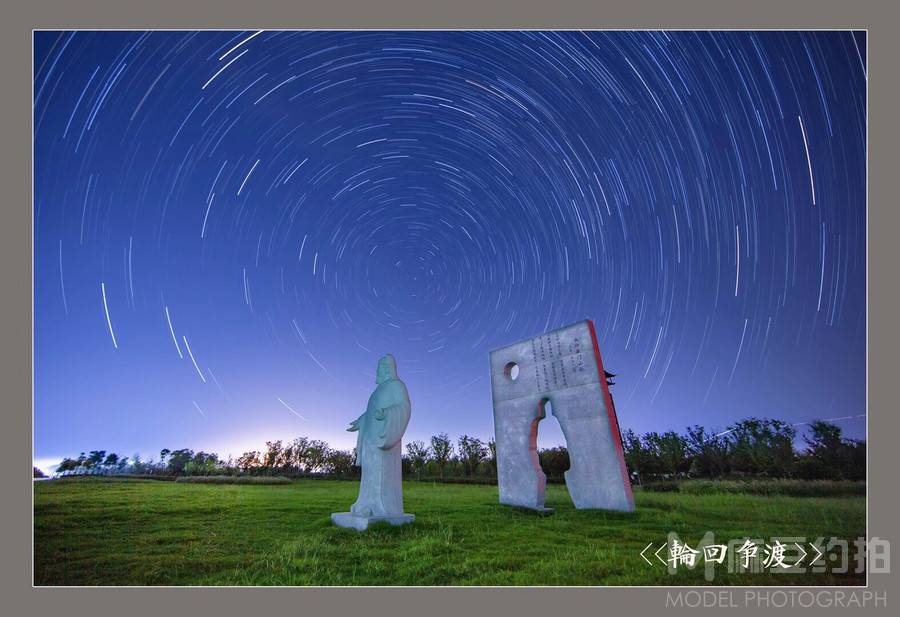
{"type": "Point", "coordinates": [231, 227]}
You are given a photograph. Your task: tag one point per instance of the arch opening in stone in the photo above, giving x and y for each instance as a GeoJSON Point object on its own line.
{"type": "Point", "coordinates": [553, 457]}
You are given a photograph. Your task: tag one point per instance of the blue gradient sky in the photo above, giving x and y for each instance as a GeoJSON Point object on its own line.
{"type": "Point", "coordinates": [296, 204]}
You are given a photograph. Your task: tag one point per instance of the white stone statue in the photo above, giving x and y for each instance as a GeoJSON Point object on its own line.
{"type": "Point", "coordinates": [378, 451]}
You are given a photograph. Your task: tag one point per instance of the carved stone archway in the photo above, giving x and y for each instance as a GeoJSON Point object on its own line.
{"type": "Point", "coordinates": [565, 368]}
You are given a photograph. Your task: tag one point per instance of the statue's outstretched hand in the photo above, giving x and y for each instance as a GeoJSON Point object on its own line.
{"type": "Point", "coordinates": [354, 426]}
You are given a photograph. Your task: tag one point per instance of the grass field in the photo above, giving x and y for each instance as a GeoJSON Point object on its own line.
{"type": "Point", "coordinates": [134, 532]}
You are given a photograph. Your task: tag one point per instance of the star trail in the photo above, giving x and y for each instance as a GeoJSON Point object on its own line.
{"type": "Point", "coordinates": [231, 227]}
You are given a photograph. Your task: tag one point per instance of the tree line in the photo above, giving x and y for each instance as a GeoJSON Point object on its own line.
{"type": "Point", "coordinates": [755, 447]}
{"type": "Point", "coordinates": [751, 447]}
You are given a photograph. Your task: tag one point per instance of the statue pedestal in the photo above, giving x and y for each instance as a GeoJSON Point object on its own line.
{"type": "Point", "coordinates": [361, 523]}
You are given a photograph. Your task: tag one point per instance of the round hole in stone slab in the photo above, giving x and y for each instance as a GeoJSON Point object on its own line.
{"type": "Point", "coordinates": [511, 370]}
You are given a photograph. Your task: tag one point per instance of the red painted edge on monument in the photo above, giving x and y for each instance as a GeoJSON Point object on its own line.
{"type": "Point", "coordinates": [611, 414]}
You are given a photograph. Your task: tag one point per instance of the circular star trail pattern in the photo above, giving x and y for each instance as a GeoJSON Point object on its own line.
{"type": "Point", "coordinates": [231, 227]}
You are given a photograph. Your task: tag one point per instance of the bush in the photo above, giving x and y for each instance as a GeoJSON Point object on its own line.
{"type": "Point", "coordinates": [813, 468]}
{"type": "Point", "coordinates": [118, 476]}
{"type": "Point", "coordinates": [233, 479]}
{"type": "Point", "coordinates": [663, 486]}
{"type": "Point", "coordinates": [791, 488]}
{"type": "Point", "coordinates": [460, 480]}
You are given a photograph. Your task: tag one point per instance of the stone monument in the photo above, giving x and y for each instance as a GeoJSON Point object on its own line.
{"type": "Point", "coordinates": [378, 451]}
{"type": "Point", "coordinates": [562, 367]}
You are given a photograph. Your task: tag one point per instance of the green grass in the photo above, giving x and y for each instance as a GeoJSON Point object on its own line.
{"type": "Point", "coordinates": [132, 532]}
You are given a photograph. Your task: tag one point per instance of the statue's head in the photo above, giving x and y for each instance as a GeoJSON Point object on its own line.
{"type": "Point", "coordinates": [387, 369]}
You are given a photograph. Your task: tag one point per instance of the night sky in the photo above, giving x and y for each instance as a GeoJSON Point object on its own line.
{"type": "Point", "coordinates": [231, 227]}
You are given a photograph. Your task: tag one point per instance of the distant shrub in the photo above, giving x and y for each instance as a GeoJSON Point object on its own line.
{"type": "Point", "coordinates": [459, 480]}
{"type": "Point", "coordinates": [663, 486]}
{"type": "Point", "coordinates": [233, 479]}
{"type": "Point", "coordinates": [792, 488]}
{"type": "Point", "coordinates": [144, 476]}
{"type": "Point", "coordinates": [118, 476]}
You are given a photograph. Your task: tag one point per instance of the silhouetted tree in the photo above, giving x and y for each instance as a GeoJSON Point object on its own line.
{"type": "Point", "coordinates": [441, 451]}
{"type": "Point", "coordinates": [203, 464]}
{"type": "Point", "coordinates": [492, 456]}
{"type": "Point", "coordinates": [554, 461]}
{"type": "Point", "coordinates": [709, 452]}
{"type": "Point", "coordinates": [338, 462]}
{"type": "Point", "coordinates": [249, 461]}
{"type": "Point", "coordinates": [418, 456]}
{"type": "Point", "coordinates": [315, 455]}
{"type": "Point", "coordinates": [471, 453]}
{"type": "Point", "coordinates": [637, 458]}
{"type": "Point", "coordinates": [67, 464]}
{"type": "Point", "coordinates": [669, 452]}
{"type": "Point", "coordinates": [178, 459]}
{"type": "Point", "coordinates": [95, 457]}
{"type": "Point", "coordinates": [856, 460]}
{"type": "Point", "coordinates": [274, 455]}
{"type": "Point", "coordinates": [299, 452]}
{"type": "Point", "coordinates": [762, 446]}
{"type": "Point", "coordinates": [829, 456]}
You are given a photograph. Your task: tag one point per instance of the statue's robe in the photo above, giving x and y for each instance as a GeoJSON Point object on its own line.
{"type": "Point", "coordinates": [378, 450]}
